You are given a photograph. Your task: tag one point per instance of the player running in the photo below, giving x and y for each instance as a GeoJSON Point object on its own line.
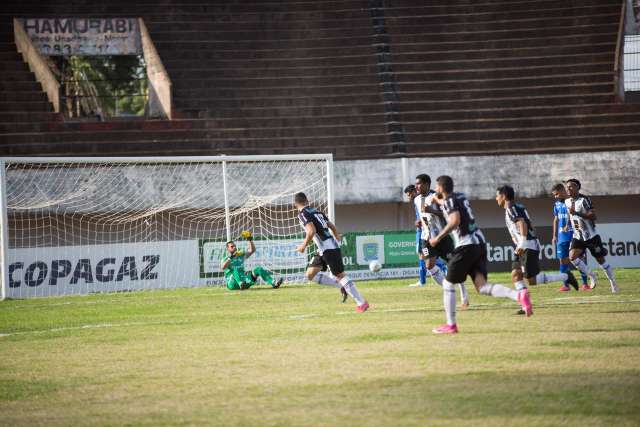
{"type": "Point", "coordinates": [562, 232]}
{"type": "Point", "coordinates": [233, 266]}
{"type": "Point", "coordinates": [469, 256]}
{"type": "Point", "coordinates": [432, 221]}
{"type": "Point", "coordinates": [325, 235]}
{"type": "Point", "coordinates": [526, 264]}
{"type": "Point", "coordinates": [585, 236]}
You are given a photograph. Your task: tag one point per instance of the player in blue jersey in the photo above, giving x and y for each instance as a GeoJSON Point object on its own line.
{"type": "Point", "coordinates": [411, 193]}
{"type": "Point", "coordinates": [562, 234]}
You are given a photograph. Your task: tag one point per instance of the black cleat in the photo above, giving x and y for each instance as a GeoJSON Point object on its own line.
{"type": "Point", "coordinates": [571, 279]}
{"type": "Point", "coordinates": [520, 312]}
{"type": "Point", "coordinates": [278, 283]}
{"type": "Point", "coordinates": [345, 295]}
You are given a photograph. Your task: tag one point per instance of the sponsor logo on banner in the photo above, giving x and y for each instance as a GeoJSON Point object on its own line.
{"type": "Point", "coordinates": [369, 248]}
{"type": "Point", "coordinates": [101, 268]}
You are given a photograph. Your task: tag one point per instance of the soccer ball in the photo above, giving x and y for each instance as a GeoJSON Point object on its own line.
{"type": "Point", "coordinates": [375, 266]}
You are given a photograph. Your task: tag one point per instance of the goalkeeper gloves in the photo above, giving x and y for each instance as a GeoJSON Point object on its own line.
{"type": "Point", "coordinates": [246, 234]}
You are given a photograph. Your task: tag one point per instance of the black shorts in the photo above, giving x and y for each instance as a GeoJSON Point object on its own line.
{"type": "Point", "coordinates": [443, 249]}
{"type": "Point", "coordinates": [594, 245]}
{"type": "Point", "coordinates": [331, 258]}
{"type": "Point", "coordinates": [467, 260]}
{"type": "Point", "coordinates": [528, 261]}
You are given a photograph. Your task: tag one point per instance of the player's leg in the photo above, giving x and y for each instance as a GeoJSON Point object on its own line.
{"type": "Point", "coordinates": [584, 277]}
{"type": "Point", "coordinates": [562, 253]}
{"type": "Point", "coordinates": [422, 264]}
{"type": "Point", "coordinates": [599, 252]}
{"type": "Point", "coordinates": [333, 258]}
{"type": "Point", "coordinates": [497, 290]}
{"type": "Point", "coordinates": [457, 269]}
{"type": "Point", "coordinates": [534, 276]}
{"type": "Point", "coordinates": [232, 283]}
{"type": "Point", "coordinates": [576, 249]}
{"type": "Point", "coordinates": [444, 249]}
{"type": "Point", "coordinates": [266, 275]}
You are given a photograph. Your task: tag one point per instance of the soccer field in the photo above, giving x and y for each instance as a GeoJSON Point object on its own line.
{"type": "Point", "coordinates": [297, 356]}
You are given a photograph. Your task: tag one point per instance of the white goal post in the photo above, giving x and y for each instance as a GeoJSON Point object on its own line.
{"type": "Point", "coordinates": [77, 225]}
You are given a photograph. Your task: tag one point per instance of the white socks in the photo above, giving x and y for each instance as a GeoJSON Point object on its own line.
{"type": "Point", "coordinates": [580, 265]}
{"type": "Point", "coordinates": [437, 275]}
{"type": "Point", "coordinates": [543, 278]}
{"type": "Point", "coordinates": [449, 300]}
{"type": "Point", "coordinates": [499, 291]}
{"type": "Point", "coordinates": [520, 285]}
{"type": "Point", "coordinates": [608, 271]}
{"type": "Point", "coordinates": [351, 289]}
{"type": "Point", "coordinates": [464, 295]}
{"type": "Point", "coordinates": [326, 279]}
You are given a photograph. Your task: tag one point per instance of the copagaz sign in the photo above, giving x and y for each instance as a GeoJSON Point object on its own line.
{"type": "Point", "coordinates": [84, 36]}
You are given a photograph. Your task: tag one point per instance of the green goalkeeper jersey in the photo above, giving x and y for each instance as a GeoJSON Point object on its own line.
{"type": "Point", "coordinates": [237, 264]}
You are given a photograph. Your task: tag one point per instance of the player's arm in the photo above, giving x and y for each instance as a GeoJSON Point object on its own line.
{"type": "Point", "coordinates": [524, 230]}
{"type": "Point", "coordinates": [310, 231]}
{"type": "Point", "coordinates": [334, 230]}
{"type": "Point", "coordinates": [252, 248]}
{"type": "Point", "coordinates": [453, 220]}
{"type": "Point", "coordinates": [555, 229]}
{"type": "Point", "coordinates": [225, 263]}
{"type": "Point", "coordinates": [590, 215]}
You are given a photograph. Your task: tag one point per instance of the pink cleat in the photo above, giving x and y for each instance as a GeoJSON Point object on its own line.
{"type": "Point", "coordinates": [446, 329]}
{"type": "Point", "coordinates": [585, 288]}
{"type": "Point", "coordinates": [564, 288]}
{"type": "Point", "coordinates": [525, 300]}
{"type": "Point", "coordinates": [362, 308]}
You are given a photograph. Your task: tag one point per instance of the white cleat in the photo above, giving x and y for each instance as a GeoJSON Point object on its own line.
{"type": "Point", "coordinates": [417, 285]}
{"type": "Point", "coordinates": [593, 279]}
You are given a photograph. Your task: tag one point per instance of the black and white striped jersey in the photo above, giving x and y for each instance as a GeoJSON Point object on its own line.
{"type": "Point", "coordinates": [517, 212]}
{"type": "Point", "coordinates": [434, 223]}
{"type": "Point", "coordinates": [323, 238]}
{"type": "Point", "coordinates": [583, 229]}
{"type": "Point", "coordinates": [467, 232]}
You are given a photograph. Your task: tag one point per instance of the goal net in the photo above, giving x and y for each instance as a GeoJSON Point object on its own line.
{"type": "Point", "coordinates": [77, 226]}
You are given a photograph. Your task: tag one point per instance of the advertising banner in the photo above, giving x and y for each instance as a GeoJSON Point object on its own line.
{"type": "Point", "coordinates": [84, 36]}
{"type": "Point", "coordinates": [396, 250]}
{"type": "Point", "coordinates": [189, 263]}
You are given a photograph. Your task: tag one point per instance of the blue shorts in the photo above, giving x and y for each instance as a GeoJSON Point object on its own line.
{"type": "Point", "coordinates": [562, 249]}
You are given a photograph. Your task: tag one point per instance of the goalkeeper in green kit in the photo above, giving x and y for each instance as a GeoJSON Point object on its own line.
{"type": "Point", "coordinates": [233, 266]}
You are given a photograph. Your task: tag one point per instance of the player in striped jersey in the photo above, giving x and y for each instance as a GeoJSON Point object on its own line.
{"type": "Point", "coordinates": [432, 221]}
{"type": "Point", "coordinates": [526, 264]}
{"type": "Point", "coordinates": [325, 235]}
{"type": "Point", "coordinates": [469, 258]}
{"type": "Point", "coordinates": [585, 236]}
{"type": "Point", "coordinates": [411, 193]}
{"type": "Point", "coordinates": [562, 233]}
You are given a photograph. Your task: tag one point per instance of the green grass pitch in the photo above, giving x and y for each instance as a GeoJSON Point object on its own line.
{"type": "Point", "coordinates": [298, 357]}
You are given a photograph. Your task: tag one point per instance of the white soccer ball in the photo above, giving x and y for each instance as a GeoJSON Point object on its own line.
{"type": "Point", "coordinates": [375, 266]}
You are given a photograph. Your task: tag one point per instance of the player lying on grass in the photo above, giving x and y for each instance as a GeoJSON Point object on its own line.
{"type": "Point", "coordinates": [233, 267]}
{"type": "Point", "coordinates": [325, 235]}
